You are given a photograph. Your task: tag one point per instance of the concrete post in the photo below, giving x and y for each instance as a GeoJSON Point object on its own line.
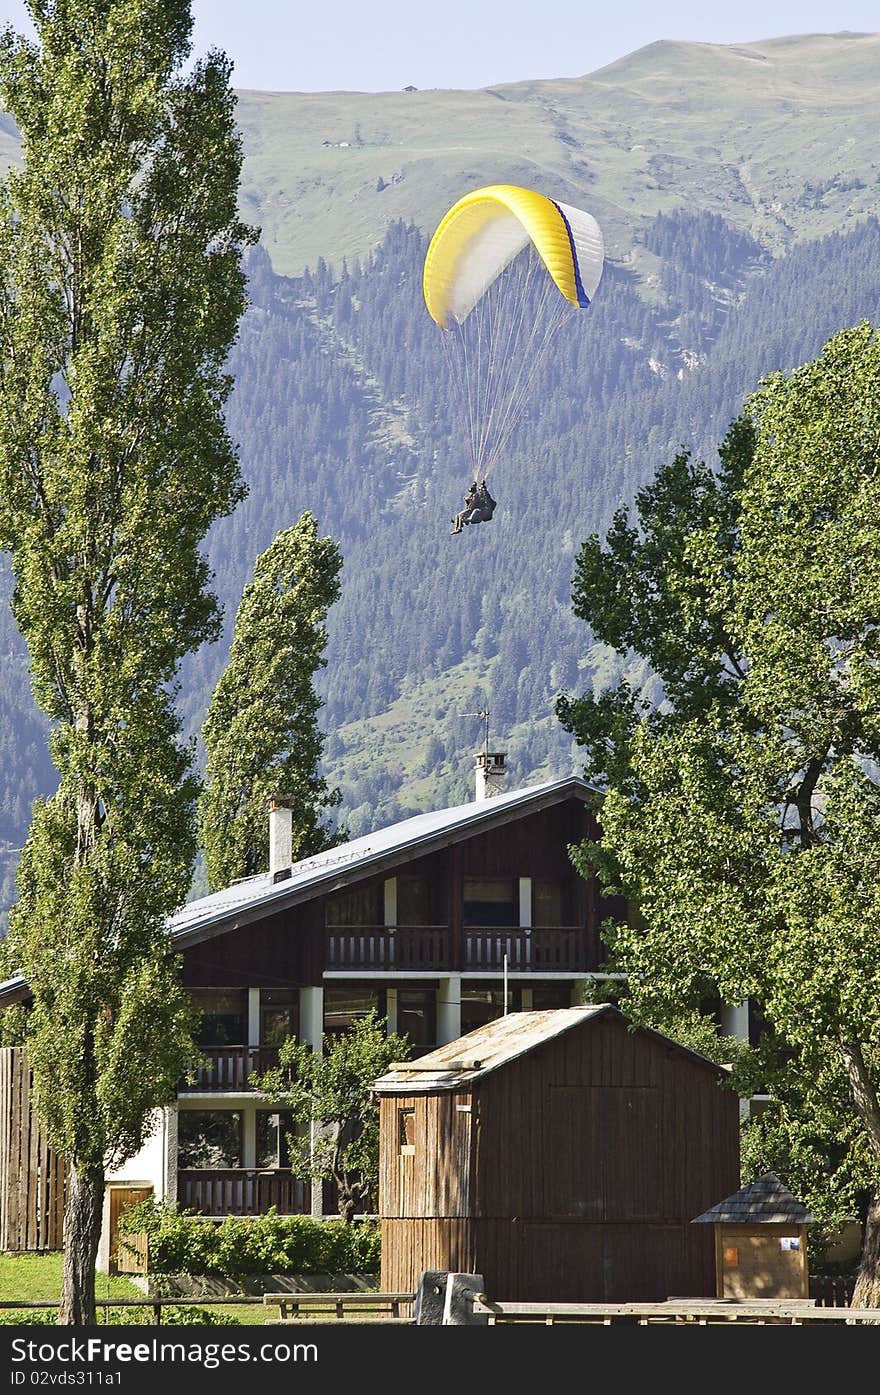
{"type": "Point", "coordinates": [448, 1009]}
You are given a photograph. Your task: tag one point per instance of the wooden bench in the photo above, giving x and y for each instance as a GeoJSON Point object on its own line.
{"type": "Point", "coordinates": [362, 1304]}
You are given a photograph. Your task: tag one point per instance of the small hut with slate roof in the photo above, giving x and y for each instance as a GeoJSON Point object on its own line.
{"type": "Point", "coordinates": [760, 1242]}
{"type": "Point", "coordinates": [559, 1154]}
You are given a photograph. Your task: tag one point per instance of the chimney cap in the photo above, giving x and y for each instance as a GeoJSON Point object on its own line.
{"type": "Point", "coordinates": [280, 801]}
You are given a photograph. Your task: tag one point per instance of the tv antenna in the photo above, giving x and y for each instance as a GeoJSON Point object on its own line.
{"type": "Point", "coordinates": [483, 714]}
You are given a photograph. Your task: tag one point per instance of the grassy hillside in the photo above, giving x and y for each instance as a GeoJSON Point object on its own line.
{"type": "Point", "coordinates": [781, 137]}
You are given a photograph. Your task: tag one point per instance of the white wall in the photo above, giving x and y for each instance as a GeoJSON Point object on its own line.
{"type": "Point", "coordinates": [154, 1166]}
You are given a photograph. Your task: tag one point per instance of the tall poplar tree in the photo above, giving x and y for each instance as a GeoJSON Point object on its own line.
{"type": "Point", "coordinates": [120, 291]}
{"type": "Point", "coordinates": [261, 731]}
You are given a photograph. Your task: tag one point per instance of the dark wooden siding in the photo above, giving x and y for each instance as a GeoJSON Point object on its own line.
{"type": "Point", "coordinates": [435, 1179]}
{"type": "Point", "coordinates": [290, 948]}
{"type": "Point", "coordinates": [277, 952]}
{"type": "Point", "coordinates": [590, 1156]}
{"type": "Point", "coordinates": [655, 1134]}
{"type": "Point", "coordinates": [534, 1261]}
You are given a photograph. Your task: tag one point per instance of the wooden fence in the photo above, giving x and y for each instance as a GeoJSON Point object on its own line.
{"type": "Point", "coordinates": [31, 1175]}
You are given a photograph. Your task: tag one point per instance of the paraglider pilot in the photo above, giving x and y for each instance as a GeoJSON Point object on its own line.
{"type": "Point", "coordinates": [479, 507]}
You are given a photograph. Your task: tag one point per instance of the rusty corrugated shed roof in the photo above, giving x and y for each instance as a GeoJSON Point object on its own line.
{"type": "Point", "coordinates": [457, 1064]}
{"type": "Point", "coordinates": [765, 1201]}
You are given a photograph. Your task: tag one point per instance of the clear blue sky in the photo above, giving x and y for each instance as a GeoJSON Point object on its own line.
{"type": "Point", "coordinates": [382, 45]}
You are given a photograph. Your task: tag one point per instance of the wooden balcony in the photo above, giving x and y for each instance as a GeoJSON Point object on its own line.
{"type": "Point", "coordinates": [394, 949]}
{"type": "Point", "coordinates": [239, 1191]}
{"type": "Point", "coordinates": [230, 1067]}
{"type": "Point", "coordinates": [539, 950]}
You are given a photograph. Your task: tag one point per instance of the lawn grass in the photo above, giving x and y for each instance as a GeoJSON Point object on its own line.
{"type": "Point", "coordinates": [31, 1277]}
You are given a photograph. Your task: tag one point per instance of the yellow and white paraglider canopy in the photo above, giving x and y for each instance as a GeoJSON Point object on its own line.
{"type": "Point", "coordinates": [485, 230]}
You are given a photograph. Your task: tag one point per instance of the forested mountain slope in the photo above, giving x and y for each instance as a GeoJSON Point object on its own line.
{"type": "Point", "coordinates": [342, 401]}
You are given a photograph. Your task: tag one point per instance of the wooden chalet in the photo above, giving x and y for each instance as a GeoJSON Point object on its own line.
{"type": "Point", "coordinates": [427, 921]}
{"type": "Point", "coordinates": [561, 1155]}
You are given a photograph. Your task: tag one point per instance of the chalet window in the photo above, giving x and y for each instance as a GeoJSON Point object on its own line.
{"type": "Point", "coordinates": [223, 1019]}
{"type": "Point", "coordinates": [491, 901]}
{"type": "Point", "coordinates": [417, 1016]}
{"type": "Point", "coordinates": [547, 903]}
{"type": "Point", "coordinates": [406, 1130]}
{"type": "Point", "coordinates": [274, 1128]}
{"type": "Point", "coordinates": [364, 905]}
{"type": "Point", "coordinates": [416, 902]}
{"type": "Point", "coordinates": [279, 1015]}
{"type": "Point", "coordinates": [209, 1138]}
{"type": "Point", "coordinates": [551, 995]}
{"type": "Point", "coordinates": [345, 1006]}
{"type": "Point", "coordinates": [481, 1005]}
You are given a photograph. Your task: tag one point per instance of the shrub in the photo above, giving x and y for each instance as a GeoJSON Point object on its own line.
{"type": "Point", "coordinates": [185, 1314]}
{"type": "Point", "coordinates": [183, 1243]}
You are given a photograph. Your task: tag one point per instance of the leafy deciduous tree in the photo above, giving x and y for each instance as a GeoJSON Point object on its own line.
{"type": "Point", "coordinates": [261, 732]}
{"type": "Point", "coordinates": [743, 815]}
{"type": "Point", "coordinates": [120, 292]}
{"type": "Point", "coordinates": [333, 1108]}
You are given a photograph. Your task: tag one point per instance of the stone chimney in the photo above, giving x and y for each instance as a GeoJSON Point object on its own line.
{"type": "Point", "coordinates": [489, 773]}
{"type": "Point", "coordinates": [280, 834]}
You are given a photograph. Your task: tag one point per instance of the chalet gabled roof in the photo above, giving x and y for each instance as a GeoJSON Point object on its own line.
{"type": "Point", "coordinates": [364, 857]}
{"type": "Point", "coordinates": [458, 1064]}
{"type": "Point", "coordinates": [765, 1200]}
{"type": "Point", "coordinates": [256, 897]}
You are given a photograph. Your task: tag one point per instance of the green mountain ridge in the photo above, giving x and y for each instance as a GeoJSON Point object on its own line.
{"type": "Point", "coordinates": [770, 134]}
{"type": "Point", "coordinates": [741, 231]}
{"type": "Point", "coordinates": [779, 135]}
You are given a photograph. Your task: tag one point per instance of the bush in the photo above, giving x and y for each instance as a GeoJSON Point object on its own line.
{"type": "Point", "coordinates": [183, 1243]}
{"type": "Point", "coordinates": [44, 1317]}
{"type": "Point", "coordinates": [187, 1314]}
{"type": "Point", "coordinates": [184, 1315]}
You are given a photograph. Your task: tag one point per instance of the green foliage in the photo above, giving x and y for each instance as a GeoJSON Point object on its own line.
{"type": "Point", "coordinates": [182, 1243]}
{"type": "Point", "coordinates": [120, 293]}
{"type": "Point", "coordinates": [13, 1025]}
{"type": "Point", "coordinates": [261, 733]}
{"type": "Point", "coordinates": [744, 816]}
{"type": "Point", "coordinates": [176, 1315]}
{"type": "Point", "coordinates": [335, 1091]}
{"type": "Point", "coordinates": [342, 408]}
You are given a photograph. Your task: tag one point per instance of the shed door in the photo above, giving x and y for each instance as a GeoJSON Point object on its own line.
{"type": "Point", "coordinates": [606, 1149]}
{"type": "Point", "coordinates": [128, 1260]}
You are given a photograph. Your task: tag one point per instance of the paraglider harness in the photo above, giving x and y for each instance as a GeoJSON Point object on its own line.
{"type": "Point", "coordinates": [480, 508]}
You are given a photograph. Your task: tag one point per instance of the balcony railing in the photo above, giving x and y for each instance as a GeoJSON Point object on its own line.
{"type": "Point", "coordinates": [239, 1191]}
{"type": "Point", "coordinates": [230, 1067]}
{"type": "Point", "coordinates": [539, 950]}
{"type": "Point", "coordinates": [391, 948]}
{"type": "Point", "coordinates": [556, 949]}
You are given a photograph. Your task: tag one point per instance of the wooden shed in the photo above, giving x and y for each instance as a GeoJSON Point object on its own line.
{"type": "Point", "coordinates": [760, 1242]}
{"type": "Point", "coordinates": [561, 1154]}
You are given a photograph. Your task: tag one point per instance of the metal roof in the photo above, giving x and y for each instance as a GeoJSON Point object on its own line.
{"type": "Point", "coordinates": [255, 897]}
{"type": "Point", "coordinates": [764, 1201]}
{"type": "Point", "coordinates": [361, 857]}
{"type": "Point", "coordinates": [458, 1064]}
